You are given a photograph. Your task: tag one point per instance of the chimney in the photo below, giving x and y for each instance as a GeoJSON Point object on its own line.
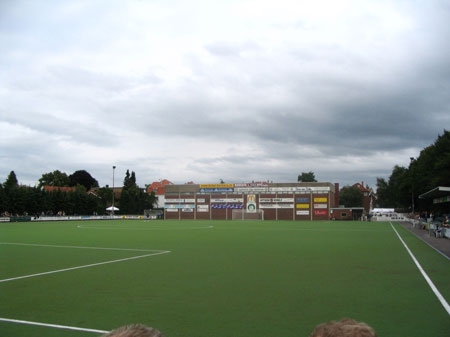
{"type": "Point", "coordinates": [336, 195]}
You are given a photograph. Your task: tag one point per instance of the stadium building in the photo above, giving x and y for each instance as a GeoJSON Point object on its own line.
{"type": "Point", "coordinates": [255, 200]}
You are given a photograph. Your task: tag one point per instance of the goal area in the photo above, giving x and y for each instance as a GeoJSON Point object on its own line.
{"type": "Point", "coordinates": [242, 214]}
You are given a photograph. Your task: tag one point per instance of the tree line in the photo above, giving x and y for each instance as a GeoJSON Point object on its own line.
{"type": "Point", "coordinates": [429, 170]}
{"type": "Point", "coordinates": [83, 197]}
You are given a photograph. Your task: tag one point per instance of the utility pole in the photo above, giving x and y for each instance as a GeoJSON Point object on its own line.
{"type": "Point", "coordinates": [114, 167]}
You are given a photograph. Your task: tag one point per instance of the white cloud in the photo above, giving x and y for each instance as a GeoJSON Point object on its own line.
{"type": "Point", "coordinates": [234, 90]}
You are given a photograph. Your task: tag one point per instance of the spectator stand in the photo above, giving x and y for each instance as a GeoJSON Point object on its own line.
{"type": "Point", "coordinates": [438, 227]}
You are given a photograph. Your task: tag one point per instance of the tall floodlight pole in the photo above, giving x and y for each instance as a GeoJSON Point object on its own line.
{"type": "Point", "coordinates": [113, 192]}
{"type": "Point", "coordinates": [412, 187]}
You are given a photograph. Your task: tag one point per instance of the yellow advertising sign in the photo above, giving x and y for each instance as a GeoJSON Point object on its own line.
{"type": "Point", "coordinates": [303, 206]}
{"type": "Point", "coordinates": [216, 185]}
{"type": "Point", "coordinates": [321, 199]}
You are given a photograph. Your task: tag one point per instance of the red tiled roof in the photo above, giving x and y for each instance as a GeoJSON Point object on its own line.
{"type": "Point", "coordinates": [59, 188]}
{"type": "Point", "coordinates": [362, 187]}
{"type": "Point", "coordinates": [158, 186]}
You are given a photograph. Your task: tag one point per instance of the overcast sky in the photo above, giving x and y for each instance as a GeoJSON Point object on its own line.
{"type": "Point", "coordinates": [209, 90]}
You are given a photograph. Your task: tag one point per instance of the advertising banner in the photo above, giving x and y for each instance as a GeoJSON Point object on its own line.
{"type": "Point", "coordinates": [227, 199]}
{"type": "Point", "coordinates": [251, 189]}
{"type": "Point", "coordinates": [178, 206]}
{"type": "Point", "coordinates": [224, 206]}
{"type": "Point", "coordinates": [216, 188]}
{"type": "Point", "coordinates": [275, 206]}
{"type": "Point", "coordinates": [179, 201]}
{"type": "Point", "coordinates": [276, 200]}
{"type": "Point", "coordinates": [313, 189]}
{"type": "Point", "coordinates": [216, 185]}
{"type": "Point", "coordinates": [251, 203]}
{"type": "Point", "coordinates": [202, 208]}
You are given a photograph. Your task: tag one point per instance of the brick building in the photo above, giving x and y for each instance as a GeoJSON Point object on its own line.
{"type": "Point", "coordinates": [277, 201]}
{"type": "Point", "coordinates": [369, 197]}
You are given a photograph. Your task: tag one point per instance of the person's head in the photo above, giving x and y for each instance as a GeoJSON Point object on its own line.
{"type": "Point", "coordinates": [346, 327]}
{"type": "Point", "coordinates": [134, 330]}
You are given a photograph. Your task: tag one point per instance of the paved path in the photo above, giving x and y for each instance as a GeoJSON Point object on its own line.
{"type": "Point", "coordinates": [440, 244]}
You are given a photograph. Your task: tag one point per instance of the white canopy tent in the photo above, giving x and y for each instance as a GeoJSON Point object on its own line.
{"type": "Point", "coordinates": [383, 210]}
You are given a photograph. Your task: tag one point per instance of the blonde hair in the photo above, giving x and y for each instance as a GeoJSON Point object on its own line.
{"type": "Point", "coordinates": [346, 327]}
{"type": "Point", "coordinates": [134, 330]}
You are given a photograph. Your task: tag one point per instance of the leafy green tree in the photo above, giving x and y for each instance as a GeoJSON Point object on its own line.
{"type": "Point", "coordinates": [128, 197]}
{"type": "Point", "coordinates": [80, 202]}
{"type": "Point", "coordinates": [429, 170]}
{"type": "Point", "coordinates": [442, 160]}
{"type": "Point", "coordinates": [3, 197]}
{"type": "Point", "coordinates": [134, 200]}
{"type": "Point", "coordinates": [55, 178]}
{"type": "Point", "coordinates": [307, 177]}
{"type": "Point", "coordinates": [400, 187]}
{"type": "Point", "coordinates": [83, 178]}
{"type": "Point", "coordinates": [432, 167]}
{"type": "Point", "coordinates": [128, 200]}
{"type": "Point", "coordinates": [104, 199]}
{"type": "Point", "coordinates": [148, 200]}
{"type": "Point", "coordinates": [383, 196]}
{"type": "Point", "coordinates": [351, 196]}
{"type": "Point", "coordinates": [129, 180]}
{"type": "Point", "coordinates": [11, 182]}
{"type": "Point", "coordinates": [10, 194]}
{"type": "Point", "coordinates": [30, 200]}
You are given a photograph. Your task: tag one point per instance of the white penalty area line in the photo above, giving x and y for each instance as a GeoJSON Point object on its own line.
{"type": "Point", "coordinates": [57, 326]}
{"type": "Point", "coordinates": [424, 274]}
{"type": "Point", "coordinates": [78, 247]}
{"type": "Point", "coordinates": [84, 266]}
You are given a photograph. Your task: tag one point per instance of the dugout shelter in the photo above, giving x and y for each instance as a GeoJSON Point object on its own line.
{"type": "Point", "coordinates": [439, 194]}
{"type": "Point", "coordinates": [440, 198]}
{"type": "Point", "coordinates": [347, 213]}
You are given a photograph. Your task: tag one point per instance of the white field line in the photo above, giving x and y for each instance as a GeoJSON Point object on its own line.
{"type": "Point", "coordinates": [87, 265]}
{"type": "Point", "coordinates": [79, 247]}
{"type": "Point", "coordinates": [149, 228]}
{"type": "Point", "coordinates": [57, 326]}
{"type": "Point", "coordinates": [424, 274]}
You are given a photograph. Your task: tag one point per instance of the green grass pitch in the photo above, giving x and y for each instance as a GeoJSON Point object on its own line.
{"type": "Point", "coordinates": [217, 278]}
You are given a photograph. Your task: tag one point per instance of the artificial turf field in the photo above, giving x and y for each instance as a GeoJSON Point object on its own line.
{"type": "Point", "coordinates": [217, 278]}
